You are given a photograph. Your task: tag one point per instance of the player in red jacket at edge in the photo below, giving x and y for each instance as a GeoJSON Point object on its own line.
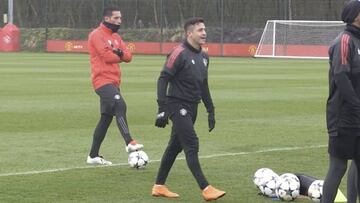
{"type": "Point", "coordinates": [107, 50]}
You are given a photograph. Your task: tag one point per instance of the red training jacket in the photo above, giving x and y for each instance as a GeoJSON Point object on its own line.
{"type": "Point", "coordinates": [104, 63]}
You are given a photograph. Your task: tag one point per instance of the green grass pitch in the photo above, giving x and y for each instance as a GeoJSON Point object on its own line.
{"type": "Point", "coordinates": [270, 113]}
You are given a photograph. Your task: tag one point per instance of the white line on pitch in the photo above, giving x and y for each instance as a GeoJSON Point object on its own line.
{"type": "Point", "coordinates": [158, 160]}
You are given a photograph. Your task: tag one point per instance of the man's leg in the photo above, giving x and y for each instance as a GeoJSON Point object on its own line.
{"type": "Point", "coordinates": [183, 123]}
{"type": "Point", "coordinates": [167, 161]}
{"type": "Point", "coordinates": [121, 121]}
{"type": "Point", "coordinates": [99, 134]}
{"type": "Point", "coordinates": [184, 128]}
{"type": "Point", "coordinates": [105, 93]}
{"type": "Point", "coordinates": [355, 176]}
{"type": "Point", "coordinates": [112, 103]}
{"type": "Point", "coordinates": [305, 182]}
{"type": "Point", "coordinates": [352, 183]}
{"type": "Point", "coordinates": [357, 179]}
{"type": "Point", "coordinates": [337, 169]}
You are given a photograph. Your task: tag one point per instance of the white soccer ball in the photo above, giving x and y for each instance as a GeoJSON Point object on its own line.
{"type": "Point", "coordinates": [315, 190]}
{"type": "Point", "coordinates": [290, 175]}
{"type": "Point", "coordinates": [265, 180]}
{"type": "Point", "coordinates": [260, 174]}
{"type": "Point", "coordinates": [138, 159]}
{"type": "Point", "coordinates": [268, 186]}
{"type": "Point", "coordinates": [287, 188]}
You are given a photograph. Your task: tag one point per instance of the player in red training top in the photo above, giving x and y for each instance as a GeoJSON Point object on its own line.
{"type": "Point", "coordinates": [107, 50]}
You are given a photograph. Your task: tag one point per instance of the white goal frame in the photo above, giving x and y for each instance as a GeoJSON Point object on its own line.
{"type": "Point", "coordinates": [273, 44]}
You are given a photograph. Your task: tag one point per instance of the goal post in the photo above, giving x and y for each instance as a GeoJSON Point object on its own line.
{"type": "Point", "coordinates": [298, 38]}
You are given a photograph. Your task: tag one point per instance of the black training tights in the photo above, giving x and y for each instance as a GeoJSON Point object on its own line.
{"type": "Point", "coordinates": [337, 169]}
{"type": "Point", "coordinates": [352, 183]}
{"type": "Point", "coordinates": [99, 134]}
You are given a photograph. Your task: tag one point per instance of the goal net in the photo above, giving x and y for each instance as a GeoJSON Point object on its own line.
{"type": "Point", "coordinates": [298, 39]}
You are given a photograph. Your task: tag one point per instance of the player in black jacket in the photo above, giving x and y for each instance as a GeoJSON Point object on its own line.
{"type": "Point", "coordinates": [182, 84]}
{"type": "Point", "coordinates": [343, 104]}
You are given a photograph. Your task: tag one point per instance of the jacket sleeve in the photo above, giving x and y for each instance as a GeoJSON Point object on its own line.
{"type": "Point", "coordinates": [341, 56]}
{"type": "Point", "coordinates": [205, 92]}
{"type": "Point", "coordinates": [162, 85]}
{"type": "Point", "coordinates": [103, 48]}
{"type": "Point", "coordinates": [206, 97]}
{"type": "Point", "coordinates": [127, 54]}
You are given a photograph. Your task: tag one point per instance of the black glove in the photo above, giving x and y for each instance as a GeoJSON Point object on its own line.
{"type": "Point", "coordinates": [162, 118]}
{"type": "Point", "coordinates": [118, 52]}
{"type": "Point", "coordinates": [211, 120]}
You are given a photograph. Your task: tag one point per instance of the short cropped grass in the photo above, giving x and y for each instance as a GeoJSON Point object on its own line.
{"type": "Point", "coordinates": [269, 113]}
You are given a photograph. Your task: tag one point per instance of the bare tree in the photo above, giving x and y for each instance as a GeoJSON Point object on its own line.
{"type": "Point", "coordinates": [155, 13]}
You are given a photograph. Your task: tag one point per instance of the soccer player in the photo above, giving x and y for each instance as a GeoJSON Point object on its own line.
{"type": "Point", "coordinates": [343, 104]}
{"type": "Point", "coordinates": [107, 50]}
{"type": "Point", "coordinates": [183, 82]}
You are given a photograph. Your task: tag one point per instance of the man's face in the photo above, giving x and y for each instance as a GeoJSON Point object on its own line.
{"type": "Point", "coordinates": [115, 18]}
{"type": "Point", "coordinates": [197, 33]}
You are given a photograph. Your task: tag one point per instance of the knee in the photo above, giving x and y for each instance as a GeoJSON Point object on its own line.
{"type": "Point", "coordinates": [341, 168]}
{"type": "Point", "coordinates": [106, 118]}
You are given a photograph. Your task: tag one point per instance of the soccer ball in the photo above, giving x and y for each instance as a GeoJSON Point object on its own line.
{"type": "Point", "coordinates": [287, 187]}
{"type": "Point", "coordinates": [268, 186]}
{"type": "Point", "coordinates": [138, 159]}
{"type": "Point", "coordinates": [315, 190]}
{"type": "Point", "coordinates": [260, 174]}
{"type": "Point", "coordinates": [265, 179]}
{"type": "Point", "coordinates": [290, 175]}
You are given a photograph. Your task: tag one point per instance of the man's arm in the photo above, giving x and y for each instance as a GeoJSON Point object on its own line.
{"type": "Point", "coordinates": [172, 65]}
{"type": "Point", "coordinates": [163, 114]}
{"type": "Point", "coordinates": [126, 54]}
{"type": "Point", "coordinates": [206, 98]}
{"type": "Point", "coordinates": [162, 85]}
{"type": "Point", "coordinates": [346, 89]}
{"type": "Point", "coordinates": [340, 61]}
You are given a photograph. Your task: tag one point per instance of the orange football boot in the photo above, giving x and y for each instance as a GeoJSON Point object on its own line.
{"type": "Point", "coordinates": [211, 193]}
{"type": "Point", "coordinates": [163, 191]}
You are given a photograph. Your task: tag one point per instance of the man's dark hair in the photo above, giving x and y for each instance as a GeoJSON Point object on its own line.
{"type": "Point", "coordinates": [109, 10]}
{"type": "Point", "coordinates": [192, 21]}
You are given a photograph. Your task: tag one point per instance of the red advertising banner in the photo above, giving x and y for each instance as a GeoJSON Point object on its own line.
{"type": "Point", "coordinates": [239, 49]}
{"type": "Point", "coordinates": [66, 46]}
{"type": "Point", "coordinates": [295, 50]}
{"type": "Point", "coordinates": [214, 49]}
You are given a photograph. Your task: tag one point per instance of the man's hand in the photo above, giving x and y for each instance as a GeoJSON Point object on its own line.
{"type": "Point", "coordinates": [162, 119]}
{"type": "Point", "coordinates": [118, 52]}
{"type": "Point", "coordinates": [211, 120]}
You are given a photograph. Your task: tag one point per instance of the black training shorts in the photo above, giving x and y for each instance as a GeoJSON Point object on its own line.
{"type": "Point", "coordinates": [108, 94]}
{"type": "Point", "coordinates": [346, 145]}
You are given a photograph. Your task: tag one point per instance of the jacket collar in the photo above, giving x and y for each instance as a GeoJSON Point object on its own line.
{"type": "Point", "coordinates": [105, 29]}
{"type": "Point", "coordinates": [188, 45]}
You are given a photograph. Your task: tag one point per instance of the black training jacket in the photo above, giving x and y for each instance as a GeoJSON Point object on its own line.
{"type": "Point", "coordinates": [185, 76]}
{"type": "Point", "coordinates": [343, 104]}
